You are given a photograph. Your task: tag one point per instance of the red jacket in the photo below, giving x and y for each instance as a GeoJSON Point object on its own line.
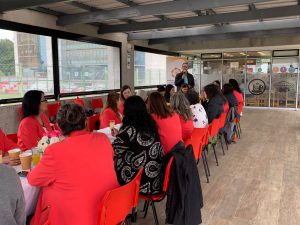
{"type": "Point", "coordinates": [74, 175]}
{"type": "Point", "coordinates": [6, 144]}
{"type": "Point", "coordinates": [30, 131]}
{"type": "Point", "coordinates": [169, 130]}
{"type": "Point", "coordinates": [187, 128]}
{"type": "Point", "coordinates": [121, 108]}
{"type": "Point", "coordinates": [107, 115]}
{"type": "Point", "coordinates": [240, 99]}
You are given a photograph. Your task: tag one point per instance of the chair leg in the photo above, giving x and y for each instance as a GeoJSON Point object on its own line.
{"type": "Point", "coordinates": [154, 213]}
{"type": "Point", "coordinates": [134, 215]}
{"type": "Point", "coordinates": [220, 138]}
{"type": "Point", "coordinates": [205, 158]}
{"type": "Point", "coordinates": [146, 206]}
{"type": "Point", "coordinates": [215, 155]}
{"type": "Point", "coordinates": [205, 168]}
{"type": "Point", "coordinates": [226, 143]}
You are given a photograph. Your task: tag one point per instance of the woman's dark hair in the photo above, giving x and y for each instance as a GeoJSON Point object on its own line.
{"type": "Point", "coordinates": [112, 101]}
{"type": "Point", "coordinates": [227, 89]}
{"type": "Point", "coordinates": [184, 86]}
{"type": "Point", "coordinates": [161, 88]}
{"type": "Point", "coordinates": [235, 85]}
{"type": "Point", "coordinates": [71, 117]}
{"type": "Point", "coordinates": [136, 115]}
{"type": "Point", "coordinates": [124, 88]}
{"type": "Point", "coordinates": [169, 87]}
{"type": "Point", "coordinates": [211, 91]}
{"type": "Point", "coordinates": [217, 82]}
{"type": "Point", "coordinates": [31, 103]}
{"type": "Point", "coordinates": [193, 97]}
{"type": "Point", "coordinates": [158, 106]}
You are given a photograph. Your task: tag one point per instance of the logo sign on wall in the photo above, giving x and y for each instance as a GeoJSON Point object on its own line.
{"type": "Point", "coordinates": [256, 87]}
{"type": "Point", "coordinates": [283, 69]}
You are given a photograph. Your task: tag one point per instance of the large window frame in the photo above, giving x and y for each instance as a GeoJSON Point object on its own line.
{"type": "Point", "coordinates": [55, 35]}
{"type": "Point", "coordinates": [154, 51]}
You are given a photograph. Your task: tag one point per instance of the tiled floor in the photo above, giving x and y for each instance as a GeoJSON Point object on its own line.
{"type": "Point", "coordinates": [258, 180]}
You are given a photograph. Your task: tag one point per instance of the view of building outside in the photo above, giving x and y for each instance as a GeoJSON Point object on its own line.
{"type": "Point", "coordinates": [87, 66]}
{"type": "Point", "coordinates": [149, 69]}
{"type": "Point", "coordinates": [25, 64]}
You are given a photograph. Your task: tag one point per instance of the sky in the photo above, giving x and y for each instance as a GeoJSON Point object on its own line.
{"type": "Point", "coordinates": [6, 34]}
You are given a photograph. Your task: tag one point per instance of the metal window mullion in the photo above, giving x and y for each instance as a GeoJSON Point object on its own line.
{"type": "Point", "coordinates": [55, 59]}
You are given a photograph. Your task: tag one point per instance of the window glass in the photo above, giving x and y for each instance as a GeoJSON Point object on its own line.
{"type": "Point", "coordinates": [88, 67]}
{"type": "Point", "coordinates": [25, 64]}
{"type": "Point", "coordinates": [149, 69]}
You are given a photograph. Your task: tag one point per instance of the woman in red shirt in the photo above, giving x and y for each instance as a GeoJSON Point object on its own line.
{"type": "Point", "coordinates": [35, 122]}
{"type": "Point", "coordinates": [238, 94]}
{"type": "Point", "coordinates": [125, 93]}
{"type": "Point", "coordinates": [168, 122]}
{"type": "Point", "coordinates": [74, 174]}
{"type": "Point", "coordinates": [111, 113]}
{"type": "Point", "coordinates": [181, 106]}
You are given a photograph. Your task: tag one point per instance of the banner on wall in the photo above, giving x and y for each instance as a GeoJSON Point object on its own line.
{"type": "Point", "coordinates": [174, 67]}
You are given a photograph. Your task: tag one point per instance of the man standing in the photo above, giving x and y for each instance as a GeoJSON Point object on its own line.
{"type": "Point", "coordinates": [184, 77]}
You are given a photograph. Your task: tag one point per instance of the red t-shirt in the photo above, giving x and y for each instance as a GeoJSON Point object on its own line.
{"type": "Point", "coordinates": [121, 108]}
{"type": "Point", "coordinates": [169, 130]}
{"type": "Point", "coordinates": [187, 128]}
{"type": "Point", "coordinates": [240, 98]}
{"type": "Point", "coordinates": [5, 143]}
{"type": "Point", "coordinates": [108, 115]}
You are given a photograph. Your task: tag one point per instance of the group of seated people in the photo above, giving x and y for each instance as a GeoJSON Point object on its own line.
{"type": "Point", "coordinates": [76, 173]}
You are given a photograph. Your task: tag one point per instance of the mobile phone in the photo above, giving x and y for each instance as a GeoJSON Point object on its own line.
{"type": "Point", "coordinates": [23, 173]}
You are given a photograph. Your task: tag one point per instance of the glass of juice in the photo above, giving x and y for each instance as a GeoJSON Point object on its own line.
{"type": "Point", "coordinates": [35, 156]}
{"type": "Point", "coordinates": [112, 124]}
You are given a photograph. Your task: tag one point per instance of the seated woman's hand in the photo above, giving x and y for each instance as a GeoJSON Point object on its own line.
{"type": "Point", "coordinates": [11, 161]}
{"type": "Point", "coordinates": [114, 132]}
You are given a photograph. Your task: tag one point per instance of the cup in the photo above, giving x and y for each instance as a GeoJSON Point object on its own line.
{"type": "Point", "coordinates": [35, 156]}
{"type": "Point", "coordinates": [1, 158]}
{"type": "Point", "coordinates": [26, 158]}
{"type": "Point", "coordinates": [14, 154]}
{"type": "Point", "coordinates": [112, 124]}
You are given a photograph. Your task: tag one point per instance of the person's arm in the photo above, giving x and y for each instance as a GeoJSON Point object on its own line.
{"type": "Point", "coordinates": [44, 173]}
{"type": "Point", "coordinates": [178, 79]}
{"type": "Point", "coordinates": [28, 136]}
{"type": "Point", "coordinates": [5, 143]}
{"type": "Point", "coordinates": [20, 215]}
{"type": "Point", "coordinates": [192, 81]}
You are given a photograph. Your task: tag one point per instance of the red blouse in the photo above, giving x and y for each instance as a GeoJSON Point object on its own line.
{"type": "Point", "coordinates": [31, 131]}
{"type": "Point", "coordinates": [169, 130]}
{"type": "Point", "coordinates": [6, 144]}
{"type": "Point", "coordinates": [187, 128]}
{"type": "Point", "coordinates": [107, 115]}
{"type": "Point", "coordinates": [240, 98]}
{"type": "Point", "coordinates": [121, 108]}
{"type": "Point", "coordinates": [74, 175]}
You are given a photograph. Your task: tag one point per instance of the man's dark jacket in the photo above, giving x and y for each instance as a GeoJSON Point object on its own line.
{"type": "Point", "coordinates": [179, 81]}
{"type": "Point", "coordinates": [184, 197]}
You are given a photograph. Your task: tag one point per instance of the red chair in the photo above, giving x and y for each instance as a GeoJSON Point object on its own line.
{"type": "Point", "coordinates": [213, 130]}
{"type": "Point", "coordinates": [79, 101]}
{"type": "Point", "coordinates": [13, 137]}
{"type": "Point", "coordinates": [97, 103]}
{"type": "Point", "coordinates": [118, 203]}
{"type": "Point", "coordinates": [91, 122]}
{"type": "Point", "coordinates": [151, 199]}
{"type": "Point", "coordinates": [198, 140]}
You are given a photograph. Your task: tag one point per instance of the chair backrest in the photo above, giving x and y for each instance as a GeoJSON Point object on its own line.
{"type": "Point", "coordinates": [97, 103]}
{"type": "Point", "coordinates": [118, 203]}
{"type": "Point", "coordinates": [79, 101]}
{"type": "Point", "coordinates": [13, 137]}
{"type": "Point", "coordinates": [213, 127]}
{"type": "Point", "coordinates": [91, 122]}
{"type": "Point", "coordinates": [167, 174]}
{"type": "Point", "coordinates": [197, 140]}
{"type": "Point", "coordinates": [53, 109]}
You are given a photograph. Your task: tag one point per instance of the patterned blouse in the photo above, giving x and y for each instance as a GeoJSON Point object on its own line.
{"type": "Point", "coordinates": [132, 151]}
{"type": "Point", "coordinates": [199, 116]}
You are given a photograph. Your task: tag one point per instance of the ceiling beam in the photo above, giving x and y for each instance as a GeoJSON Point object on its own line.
{"type": "Point", "coordinates": [47, 11]}
{"type": "Point", "coordinates": [255, 34]}
{"type": "Point", "coordinates": [22, 4]}
{"type": "Point", "coordinates": [127, 2]}
{"type": "Point", "coordinates": [203, 20]}
{"type": "Point", "coordinates": [150, 9]}
{"type": "Point", "coordinates": [210, 30]}
{"type": "Point", "coordinates": [82, 6]}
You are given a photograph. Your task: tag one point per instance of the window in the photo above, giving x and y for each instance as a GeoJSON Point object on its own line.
{"type": "Point", "coordinates": [25, 64]}
{"type": "Point", "coordinates": [149, 69]}
{"type": "Point", "coordinates": [87, 67]}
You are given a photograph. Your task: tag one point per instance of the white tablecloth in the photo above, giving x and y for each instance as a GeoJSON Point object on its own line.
{"type": "Point", "coordinates": [107, 132]}
{"type": "Point", "coordinates": [31, 194]}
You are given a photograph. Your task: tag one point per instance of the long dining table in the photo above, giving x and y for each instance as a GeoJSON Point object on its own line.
{"type": "Point", "coordinates": [31, 193]}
